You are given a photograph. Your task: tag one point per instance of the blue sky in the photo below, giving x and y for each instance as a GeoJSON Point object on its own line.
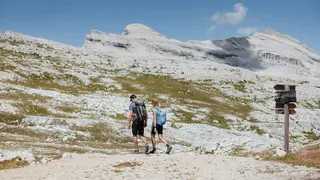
{"type": "Point", "coordinates": [68, 21]}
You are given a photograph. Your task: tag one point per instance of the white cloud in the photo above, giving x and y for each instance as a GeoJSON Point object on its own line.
{"type": "Point", "coordinates": [233, 18]}
{"type": "Point", "coordinates": [211, 28]}
{"type": "Point", "coordinates": [247, 31]}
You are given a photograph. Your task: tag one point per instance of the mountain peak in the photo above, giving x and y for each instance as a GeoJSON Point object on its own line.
{"type": "Point", "coordinates": [142, 31]}
{"type": "Point", "coordinates": [278, 34]}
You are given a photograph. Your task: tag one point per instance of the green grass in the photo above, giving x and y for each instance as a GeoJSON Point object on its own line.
{"type": "Point", "coordinates": [10, 119]}
{"type": "Point", "coordinates": [309, 160]}
{"type": "Point", "coordinates": [49, 81]}
{"type": "Point", "coordinates": [240, 86]}
{"type": "Point", "coordinates": [21, 96]}
{"type": "Point", "coordinates": [238, 150]}
{"type": "Point", "coordinates": [28, 103]}
{"type": "Point", "coordinates": [101, 132]}
{"type": "Point", "coordinates": [311, 135]}
{"type": "Point", "coordinates": [16, 43]}
{"type": "Point", "coordinates": [15, 162]}
{"type": "Point", "coordinates": [173, 124]}
{"type": "Point", "coordinates": [68, 109]}
{"type": "Point", "coordinates": [6, 53]}
{"type": "Point", "coordinates": [39, 45]}
{"type": "Point", "coordinates": [184, 92]}
{"type": "Point", "coordinates": [6, 66]}
{"type": "Point", "coordinates": [257, 129]}
{"type": "Point", "coordinates": [310, 104]}
{"type": "Point", "coordinates": [184, 116]}
{"type": "Point", "coordinates": [314, 147]}
{"type": "Point", "coordinates": [59, 122]}
{"type": "Point", "coordinates": [25, 132]}
{"type": "Point", "coordinates": [253, 120]}
{"type": "Point", "coordinates": [31, 109]}
{"type": "Point", "coordinates": [119, 117]}
{"type": "Point", "coordinates": [222, 122]}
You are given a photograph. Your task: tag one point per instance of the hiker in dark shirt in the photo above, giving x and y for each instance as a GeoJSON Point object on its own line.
{"type": "Point", "coordinates": [137, 125]}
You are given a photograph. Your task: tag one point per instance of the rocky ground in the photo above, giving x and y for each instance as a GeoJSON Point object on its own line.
{"type": "Point", "coordinates": [161, 166]}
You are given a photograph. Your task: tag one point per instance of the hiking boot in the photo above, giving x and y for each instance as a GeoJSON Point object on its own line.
{"type": "Point", "coordinates": [136, 151]}
{"type": "Point", "coordinates": [153, 151]}
{"type": "Point", "coordinates": [147, 148]}
{"type": "Point", "coordinates": [168, 149]}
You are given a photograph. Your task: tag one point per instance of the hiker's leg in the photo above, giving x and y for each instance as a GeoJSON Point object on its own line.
{"type": "Point", "coordinates": [144, 139]}
{"type": "Point", "coordinates": [135, 142]}
{"type": "Point", "coordinates": [162, 139]}
{"type": "Point", "coordinates": [141, 133]}
{"type": "Point", "coordinates": [160, 134]}
{"type": "Point", "coordinates": [153, 140]}
{"type": "Point", "coordinates": [135, 133]}
{"type": "Point", "coordinates": [169, 148]}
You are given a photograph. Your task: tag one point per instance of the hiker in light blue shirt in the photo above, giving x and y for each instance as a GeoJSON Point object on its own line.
{"type": "Point", "coordinates": [157, 128]}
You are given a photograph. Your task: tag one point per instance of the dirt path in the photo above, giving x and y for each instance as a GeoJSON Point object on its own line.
{"type": "Point", "coordinates": [161, 166]}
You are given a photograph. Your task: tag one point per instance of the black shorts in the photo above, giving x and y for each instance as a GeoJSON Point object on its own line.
{"type": "Point", "coordinates": [158, 127]}
{"type": "Point", "coordinates": [137, 128]}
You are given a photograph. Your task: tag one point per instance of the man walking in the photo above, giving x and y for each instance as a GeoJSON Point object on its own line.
{"type": "Point", "coordinates": [137, 121]}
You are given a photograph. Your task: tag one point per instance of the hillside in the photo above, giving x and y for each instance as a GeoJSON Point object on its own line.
{"type": "Point", "coordinates": [57, 98]}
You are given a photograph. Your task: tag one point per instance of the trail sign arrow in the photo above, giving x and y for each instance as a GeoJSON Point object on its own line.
{"type": "Point", "coordinates": [282, 87]}
{"type": "Point", "coordinates": [286, 96]}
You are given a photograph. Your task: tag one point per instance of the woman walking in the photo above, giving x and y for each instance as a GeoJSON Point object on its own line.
{"type": "Point", "coordinates": [157, 128]}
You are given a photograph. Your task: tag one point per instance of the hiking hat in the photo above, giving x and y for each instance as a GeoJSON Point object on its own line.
{"type": "Point", "coordinates": [132, 97]}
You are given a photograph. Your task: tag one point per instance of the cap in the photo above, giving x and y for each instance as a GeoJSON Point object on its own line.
{"type": "Point", "coordinates": [132, 97]}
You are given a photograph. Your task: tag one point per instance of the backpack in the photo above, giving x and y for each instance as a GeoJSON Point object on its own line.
{"type": "Point", "coordinates": [161, 116]}
{"type": "Point", "coordinates": [140, 110]}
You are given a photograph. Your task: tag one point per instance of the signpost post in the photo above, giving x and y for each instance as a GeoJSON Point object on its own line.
{"type": "Point", "coordinates": [286, 94]}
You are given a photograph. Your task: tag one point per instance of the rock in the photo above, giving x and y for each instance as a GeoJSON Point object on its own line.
{"type": "Point", "coordinates": [67, 155]}
{"type": "Point", "coordinates": [257, 157]}
{"type": "Point", "coordinates": [280, 153]}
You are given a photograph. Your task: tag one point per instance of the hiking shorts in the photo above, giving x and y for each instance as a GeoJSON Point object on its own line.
{"type": "Point", "coordinates": [158, 127]}
{"type": "Point", "coordinates": [137, 128]}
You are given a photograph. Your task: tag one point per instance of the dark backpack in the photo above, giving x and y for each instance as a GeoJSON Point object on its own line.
{"type": "Point", "coordinates": [140, 110]}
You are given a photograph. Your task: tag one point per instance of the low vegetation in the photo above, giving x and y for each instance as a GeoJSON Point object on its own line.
{"type": "Point", "coordinates": [16, 162]}
{"type": "Point", "coordinates": [311, 135]}
{"type": "Point", "coordinates": [127, 164]}
{"type": "Point", "coordinates": [25, 132]}
{"type": "Point", "coordinates": [65, 83]}
{"type": "Point", "coordinates": [10, 119]}
{"type": "Point", "coordinates": [68, 108]}
{"type": "Point", "coordinates": [16, 43]}
{"type": "Point", "coordinates": [6, 66]}
{"type": "Point", "coordinates": [191, 94]}
{"type": "Point", "coordinates": [101, 132]}
{"type": "Point", "coordinates": [6, 53]}
{"type": "Point", "coordinates": [309, 158]}
{"type": "Point", "coordinates": [310, 104]}
{"type": "Point", "coordinates": [20, 96]}
{"type": "Point", "coordinates": [119, 117]}
{"type": "Point", "coordinates": [29, 108]}
{"type": "Point", "coordinates": [257, 129]}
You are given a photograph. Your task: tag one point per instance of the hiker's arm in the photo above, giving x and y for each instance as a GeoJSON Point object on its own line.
{"type": "Point", "coordinates": [154, 120]}
{"type": "Point", "coordinates": [130, 118]}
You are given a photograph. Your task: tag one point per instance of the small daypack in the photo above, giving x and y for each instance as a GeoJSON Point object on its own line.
{"type": "Point", "coordinates": [161, 116]}
{"type": "Point", "coordinates": [140, 110]}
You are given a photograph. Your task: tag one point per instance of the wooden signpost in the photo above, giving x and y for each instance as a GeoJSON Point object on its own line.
{"type": "Point", "coordinates": [285, 98]}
